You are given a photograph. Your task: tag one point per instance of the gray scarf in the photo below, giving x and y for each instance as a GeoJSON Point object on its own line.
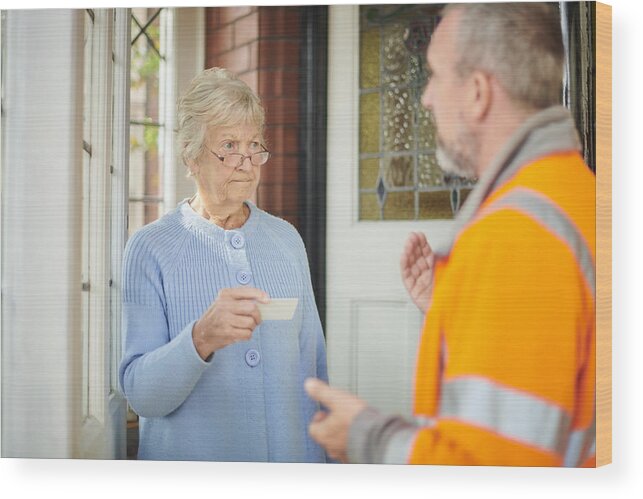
{"type": "Point", "coordinates": [543, 133]}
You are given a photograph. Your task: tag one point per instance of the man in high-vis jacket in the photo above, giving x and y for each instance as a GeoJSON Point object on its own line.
{"type": "Point", "coordinates": [506, 362]}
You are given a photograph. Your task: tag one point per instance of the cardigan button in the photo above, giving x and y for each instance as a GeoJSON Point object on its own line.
{"type": "Point", "coordinates": [244, 276]}
{"type": "Point", "coordinates": [253, 357]}
{"type": "Point", "coordinates": [237, 241]}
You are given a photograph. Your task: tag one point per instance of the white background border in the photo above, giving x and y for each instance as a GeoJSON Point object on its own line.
{"type": "Point", "coordinates": [623, 478]}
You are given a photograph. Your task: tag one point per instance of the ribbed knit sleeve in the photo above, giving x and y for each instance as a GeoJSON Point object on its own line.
{"type": "Point", "coordinates": [313, 348]}
{"type": "Point", "coordinates": [156, 374]}
{"type": "Point", "coordinates": [312, 340]}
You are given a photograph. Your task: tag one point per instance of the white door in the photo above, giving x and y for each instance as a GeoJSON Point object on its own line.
{"type": "Point", "coordinates": [372, 327]}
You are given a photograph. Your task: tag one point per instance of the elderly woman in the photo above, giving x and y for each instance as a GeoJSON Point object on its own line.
{"type": "Point", "coordinates": [209, 379]}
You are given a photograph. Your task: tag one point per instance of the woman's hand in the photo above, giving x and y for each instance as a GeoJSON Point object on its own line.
{"type": "Point", "coordinates": [416, 267]}
{"type": "Point", "coordinates": [232, 317]}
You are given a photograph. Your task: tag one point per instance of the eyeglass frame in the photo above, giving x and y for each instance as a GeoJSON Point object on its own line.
{"type": "Point", "coordinates": [243, 157]}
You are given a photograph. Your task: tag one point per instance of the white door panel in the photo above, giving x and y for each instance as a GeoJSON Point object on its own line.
{"type": "Point", "coordinates": [372, 328]}
{"type": "Point", "coordinates": [385, 340]}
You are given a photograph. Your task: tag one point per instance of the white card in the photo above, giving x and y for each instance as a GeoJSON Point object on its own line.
{"type": "Point", "coordinates": [279, 309]}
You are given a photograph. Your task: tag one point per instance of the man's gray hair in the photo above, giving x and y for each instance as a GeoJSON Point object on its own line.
{"type": "Point", "coordinates": [519, 43]}
{"type": "Point", "coordinates": [214, 98]}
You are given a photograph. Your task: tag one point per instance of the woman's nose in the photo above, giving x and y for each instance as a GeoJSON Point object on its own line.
{"type": "Point", "coordinates": [246, 164]}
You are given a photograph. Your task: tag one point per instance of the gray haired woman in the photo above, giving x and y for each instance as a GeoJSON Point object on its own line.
{"type": "Point", "coordinates": [209, 379]}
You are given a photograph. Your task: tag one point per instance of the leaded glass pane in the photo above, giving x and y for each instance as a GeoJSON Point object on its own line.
{"type": "Point", "coordinates": [369, 59]}
{"type": "Point", "coordinates": [400, 206]}
{"type": "Point", "coordinates": [398, 115]}
{"type": "Point", "coordinates": [369, 118]}
{"type": "Point", "coordinates": [369, 207]}
{"type": "Point", "coordinates": [398, 171]}
{"type": "Point", "coordinates": [429, 172]}
{"type": "Point", "coordinates": [435, 205]}
{"type": "Point", "coordinates": [399, 175]}
{"type": "Point", "coordinates": [369, 170]}
{"type": "Point", "coordinates": [395, 57]}
{"type": "Point", "coordinates": [426, 132]}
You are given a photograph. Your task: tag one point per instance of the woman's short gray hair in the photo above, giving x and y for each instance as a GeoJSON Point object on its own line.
{"type": "Point", "coordinates": [519, 43]}
{"type": "Point", "coordinates": [214, 98]}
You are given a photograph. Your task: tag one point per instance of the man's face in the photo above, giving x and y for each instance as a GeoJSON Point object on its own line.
{"type": "Point", "coordinates": [444, 96]}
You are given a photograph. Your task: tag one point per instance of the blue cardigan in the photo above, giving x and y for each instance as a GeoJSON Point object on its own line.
{"type": "Point", "coordinates": [246, 403]}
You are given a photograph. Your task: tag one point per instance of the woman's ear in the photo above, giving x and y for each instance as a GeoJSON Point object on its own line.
{"type": "Point", "coordinates": [193, 167]}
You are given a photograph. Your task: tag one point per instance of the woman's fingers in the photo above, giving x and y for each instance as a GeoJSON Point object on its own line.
{"type": "Point", "coordinates": [234, 315]}
{"type": "Point", "coordinates": [244, 293]}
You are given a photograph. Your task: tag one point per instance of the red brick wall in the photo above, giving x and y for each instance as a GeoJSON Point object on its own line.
{"type": "Point", "coordinates": [261, 45]}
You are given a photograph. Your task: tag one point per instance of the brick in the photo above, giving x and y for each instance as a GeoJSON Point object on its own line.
{"type": "Point", "coordinates": [269, 21]}
{"type": "Point", "coordinates": [246, 29]}
{"type": "Point", "coordinates": [290, 184]}
{"type": "Point", "coordinates": [215, 61]}
{"type": "Point", "coordinates": [274, 138]}
{"type": "Point", "coordinates": [290, 84]}
{"type": "Point", "coordinates": [278, 54]}
{"type": "Point", "coordinates": [212, 18]}
{"type": "Point", "coordinates": [237, 60]}
{"type": "Point", "coordinates": [253, 50]}
{"type": "Point", "coordinates": [279, 83]}
{"type": "Point", "coordinates": [291, 171]}
{"type": "Point", "coordinates": [279, 22]}
{"type": "Point", "coordinates": [282, 111]}
{"type": "Point", "coordinates": [231, 14]}
{"type": "Point", "coordinates": [251, 79]}
{"type": "Point", "coordinates": [221, 40]}
{"type": "Point", "coordinates": [268, 84]}
{"type": "Point", "coordinates": [292, 20]}
{"type": "Point", "coordinates": [292, 219]}
{"type": "Point", "coordinates": [275, 172]}
{"type": "Point", "coordinates": [291, 139]}
{"type": "Point", "coordinates": [279, 193]}
{"type": "Point", "coordinates": [283, 140]}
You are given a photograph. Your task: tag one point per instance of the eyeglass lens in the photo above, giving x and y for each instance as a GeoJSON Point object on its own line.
{"type": "Point", "coordinates": [234, 160]}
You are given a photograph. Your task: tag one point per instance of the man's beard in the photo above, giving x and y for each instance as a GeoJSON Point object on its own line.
{"type": "Point", "coordinates": [458, 157]}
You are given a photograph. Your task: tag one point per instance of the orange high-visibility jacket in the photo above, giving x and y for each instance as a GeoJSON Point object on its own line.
{"type": "Point", "coordinates": [506, 366]}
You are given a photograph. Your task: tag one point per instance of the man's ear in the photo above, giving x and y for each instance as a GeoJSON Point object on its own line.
{"type": "Point", "coordinates": [481, 95]}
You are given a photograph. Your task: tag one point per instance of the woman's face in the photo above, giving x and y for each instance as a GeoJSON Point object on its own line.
{"type": "Point", "coordinates": [224, 184]}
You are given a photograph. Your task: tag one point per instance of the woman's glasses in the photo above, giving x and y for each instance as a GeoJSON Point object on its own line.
{"type": "Point", "coordinates": [235, 159]}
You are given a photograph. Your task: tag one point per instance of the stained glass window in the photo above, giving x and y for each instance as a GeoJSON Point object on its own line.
{"type": "Point", "coordinates": [399, 175]}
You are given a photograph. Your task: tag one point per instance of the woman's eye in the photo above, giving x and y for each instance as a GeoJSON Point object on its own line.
{"type": "Point", "coordinates": [228, 146]}
{"type": "Point", "coordinates": [255, 146]}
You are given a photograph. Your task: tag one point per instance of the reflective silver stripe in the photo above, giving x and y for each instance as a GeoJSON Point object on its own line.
{"type": "Point", "coordinates": [582, 445]}
{"type": "Point", "coordinates": [543, 210]}
{"type": "Point", "coordinates": [398, 448]}
{"type": "Point", "coordinates": [574, 448]}
{"type": "Point", "coordinates": [592, 449]}
{"type": "Point", "coordinates": [424, 421]}
{"type": "Point", "coordinates": [506, 411]}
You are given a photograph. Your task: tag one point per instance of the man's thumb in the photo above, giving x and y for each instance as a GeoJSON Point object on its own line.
{"type": "Point", "coordinates": [317, 390]}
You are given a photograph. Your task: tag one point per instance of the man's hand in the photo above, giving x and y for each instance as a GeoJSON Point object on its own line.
{"type": "Point", "coordinates": [416, 267]}
{"type": "Point", "coordinates": [330, 429]}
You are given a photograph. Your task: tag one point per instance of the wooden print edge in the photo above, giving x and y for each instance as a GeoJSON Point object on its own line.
{"type": "Point", "coordinates": [603, 234]}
